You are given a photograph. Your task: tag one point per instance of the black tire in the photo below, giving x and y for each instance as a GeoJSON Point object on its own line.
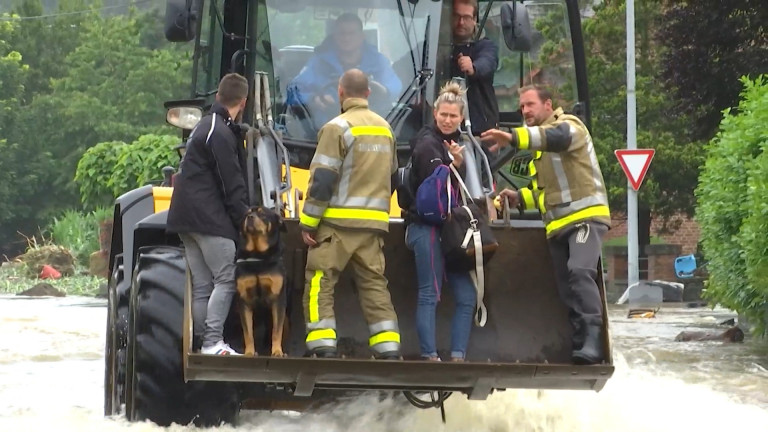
{"type": "Point", "coordinates": [118, 295]}
{"type": "Point", "coordinates": [155, 388]}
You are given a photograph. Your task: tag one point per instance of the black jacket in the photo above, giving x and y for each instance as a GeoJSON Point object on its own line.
{"type": "Point", "coordinates": [428, 152]}
{"type": "Point", "coordinates": [483, 106]}
{"type": "Point", "coordinates": [209, 193]}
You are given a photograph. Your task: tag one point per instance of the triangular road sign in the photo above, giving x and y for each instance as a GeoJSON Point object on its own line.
{"type": "Point", "coordinates": [635, 164]}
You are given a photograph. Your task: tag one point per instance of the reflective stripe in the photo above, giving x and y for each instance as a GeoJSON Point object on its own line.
{"type": "Point", "coordinates": [325, 338]}
{"type": "Point", "coordinates": [535, 138]}
{"type": "Point", "coordinates": [527, 198]}
{"type": "Point", "coordinates": [522, 138]}
{"type": "Point", "coordinates": [314, 292]}
{"type": "Point", "coordinates": [579, 215]}
{"type": "Point", "coordinates": [321, 334]}
{"type": "Point", "coordinates": [308, 220]}
{"type": "Point", "coordinates": [326, 160]}
{"type": "Point", "coordinates": [321, 343]}
{"type": "Point", "coordinates": [361, 214]}
{"type": "Point", "coordinates": [573, 206]}
{"type": "Point", "coordinates": [386, 347]}
{"type": "Point", "coordinates": [371, 131]}
{"type": "Point", "coordinates": [562, 179]}
{"type": "Point", "coordinates": [388, 336]}
{"type": "Point", "coordinates": [362, 202]}
{"type": "Point", "coordinates": [383, 326]}
{"type": "Point", "coordinates": [597, 175]}
{"type": "Point", "coordinates": [313, 210]}
{"type": "Point", "coordinates": [542, 207]}
{"type": "Point", "coordinates": [346, 133]}
{"type": "Point", "coordinates": [346, 175]}
{"type": "Point", "coordinates": [328, 323]}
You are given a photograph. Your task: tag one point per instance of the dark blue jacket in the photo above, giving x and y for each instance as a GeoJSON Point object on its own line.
{"type": "Point", "coordinates": [320, 76]}
{"type": "Point", "coordinates": [483, 106]}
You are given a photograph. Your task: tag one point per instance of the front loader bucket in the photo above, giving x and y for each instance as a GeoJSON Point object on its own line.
{"type": "Point", "coordinates": [524, 344]}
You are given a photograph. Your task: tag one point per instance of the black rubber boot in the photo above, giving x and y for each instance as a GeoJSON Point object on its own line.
{"type": "Point", "coordinates": [592, 350]}
{"type": "Point", "coordinates": [579, 333]}
{"type": "Point", "coordinates": [326, 353]}
{"type": "Point", "coordinates": [391, 355]}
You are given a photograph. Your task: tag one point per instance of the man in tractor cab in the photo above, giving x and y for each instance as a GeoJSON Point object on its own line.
{"type": "Point", "coordinates": [568, 189]}
{"type": "Point", "coordinates": [208, 204]}
{"type": "Point", "coordinates": [477, 62]}
{"type": "Point", "coordinates": [314, 89]}
{"type": "Point", "coordinates": [345, 217]}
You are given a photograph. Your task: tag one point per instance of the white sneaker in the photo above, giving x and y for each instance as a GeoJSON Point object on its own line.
{"type": "Point", "coordinates": [220, 348]}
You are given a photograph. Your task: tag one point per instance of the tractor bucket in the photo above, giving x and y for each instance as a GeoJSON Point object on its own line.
{"type": "Point", "coordinates": [526, 342]}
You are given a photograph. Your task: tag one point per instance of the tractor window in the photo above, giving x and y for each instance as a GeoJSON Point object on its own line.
{"type": "Point", "coordinates": [373, 36]}
{"type": "Point", "coordinates": [549, 62]}
{"type": "Point", "coordinates": [208, 58]}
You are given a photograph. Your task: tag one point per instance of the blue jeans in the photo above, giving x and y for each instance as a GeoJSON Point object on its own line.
{"type": "Point", "coordinates": [424, 241]}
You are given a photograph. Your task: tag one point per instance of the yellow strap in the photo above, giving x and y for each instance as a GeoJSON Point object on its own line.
{"type": "Point", "coordinates": [308, 220]}
{"type": "Point", "coordinates": [321, 334]}
{"type": "Point", "coordinates": [360, 214]}
{"type": "Point", "coordinates": [388, 336]}
{"type": "Point", "coordinates": [314, 292]}
{"type": "Point", "coordinates": [542, 207]}
{"type": "Point", "coordinates": [371, 130]}
{"type": "Point", "coordinates": [527, 198]}
{"type": "Point", "coordinates": [523, 138]}
{"type": "Point", "coordinates": [587, 213]}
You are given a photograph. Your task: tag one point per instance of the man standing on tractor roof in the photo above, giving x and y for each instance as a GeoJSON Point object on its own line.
{"type": "Point", "coordinates": [344, 218]}
{"type": "Point", "coordinates": [569, 190]}
{"type": "Point", "coordinates": [477, 62]}
{"type": "Point", "coordinates": [209, 203]}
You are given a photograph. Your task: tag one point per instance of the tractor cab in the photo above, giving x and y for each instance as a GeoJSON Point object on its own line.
{"type": "Point", "coordinates": [293, 53]}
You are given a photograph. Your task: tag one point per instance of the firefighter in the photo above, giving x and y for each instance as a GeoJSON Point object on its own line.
{"type": "Point", "coordinates": [345, 217]}
{"type": "Point", "coordinates": [569, 190]}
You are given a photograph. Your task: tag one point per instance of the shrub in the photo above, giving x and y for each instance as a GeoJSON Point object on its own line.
{"type": "Point", "coordinates": [732, 209]}
{"type": "Point", "coordinates": [78, 232]}
{"type": "Point", "coordinates": [108, 170]}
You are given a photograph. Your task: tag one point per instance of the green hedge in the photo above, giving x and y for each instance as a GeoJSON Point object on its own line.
{"type": "Point", "coordinates": [733, 206]}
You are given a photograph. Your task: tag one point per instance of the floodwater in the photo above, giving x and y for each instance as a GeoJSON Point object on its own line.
{"type": "Point", "coordinates": [51, 379]}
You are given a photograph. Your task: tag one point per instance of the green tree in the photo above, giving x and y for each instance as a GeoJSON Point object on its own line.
{"type": "Point", "coordinates": [710, 44]}
{"type": "Point", "coordinates": [669, 184]}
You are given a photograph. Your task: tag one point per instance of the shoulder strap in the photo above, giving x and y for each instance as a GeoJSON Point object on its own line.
{"type": "Point", "coordinates": [478, 275]}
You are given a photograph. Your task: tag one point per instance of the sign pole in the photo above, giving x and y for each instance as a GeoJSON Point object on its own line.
{"type": "Point", "coordinates": [633, 268]}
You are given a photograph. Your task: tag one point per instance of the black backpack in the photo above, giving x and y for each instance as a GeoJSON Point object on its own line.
{"type": "Point", "coordinates": [403, 184]}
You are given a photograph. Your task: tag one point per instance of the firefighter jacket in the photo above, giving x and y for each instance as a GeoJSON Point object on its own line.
{"type": "Point", "coordinates": [350, 173]}
{"type": "Point", "coordinates": [567, 185]}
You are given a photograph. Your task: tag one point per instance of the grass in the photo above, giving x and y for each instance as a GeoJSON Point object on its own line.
{"type": "Point", "coordinates": [13, 280]}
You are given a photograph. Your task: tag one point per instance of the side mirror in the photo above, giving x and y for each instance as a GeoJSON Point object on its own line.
{"type": "Point", "coordinates": [516, 26]}
{"type": "Point", "coordinates": [181, 20]}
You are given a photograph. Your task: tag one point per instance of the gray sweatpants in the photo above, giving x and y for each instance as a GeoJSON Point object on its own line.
{"type": "Point", "coordinates": [575, 252]}
{"type": "Point", "coordinates": [211, 261]}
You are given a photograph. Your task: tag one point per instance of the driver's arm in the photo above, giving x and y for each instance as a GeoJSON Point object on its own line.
{"type": "Point", "coordinates": [387, 77]}
{"type": "Point", "coordinates": [306, 83]}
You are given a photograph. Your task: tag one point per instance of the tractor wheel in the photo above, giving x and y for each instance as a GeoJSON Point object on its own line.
{"type": "Point", "coordinates": [117, 333]}
{"type": "Point", "coordinates": [156, 389]}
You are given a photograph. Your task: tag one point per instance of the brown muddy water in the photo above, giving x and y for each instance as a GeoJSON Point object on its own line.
{"type": "Point", "coordinates": [51, 379]}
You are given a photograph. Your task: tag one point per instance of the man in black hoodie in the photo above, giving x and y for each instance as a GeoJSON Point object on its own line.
{"type": "Point", "coordinates": [476, 61]}
{"type": "Point", "coordinates": [208, 204]}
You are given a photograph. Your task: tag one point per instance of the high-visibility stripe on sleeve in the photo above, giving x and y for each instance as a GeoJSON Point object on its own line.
{"type": "Point", "coordinates": [309, 221]}
{"type": "Point", "coordinates": [523, 138]}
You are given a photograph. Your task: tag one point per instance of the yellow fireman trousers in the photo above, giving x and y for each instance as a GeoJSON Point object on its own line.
{"type": "Point", "coordinates": [325, 262]}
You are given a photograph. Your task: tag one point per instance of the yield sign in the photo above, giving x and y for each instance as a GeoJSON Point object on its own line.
{"type": "Point", "coordinates": [635, 164]}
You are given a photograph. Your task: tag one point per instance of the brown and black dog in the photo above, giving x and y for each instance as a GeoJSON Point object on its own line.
{"type": "Point", "coordinates": [260, 275]}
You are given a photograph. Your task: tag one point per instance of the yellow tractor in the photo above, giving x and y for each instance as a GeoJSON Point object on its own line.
{"type": "Point", "coordinates": [151, 371]}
